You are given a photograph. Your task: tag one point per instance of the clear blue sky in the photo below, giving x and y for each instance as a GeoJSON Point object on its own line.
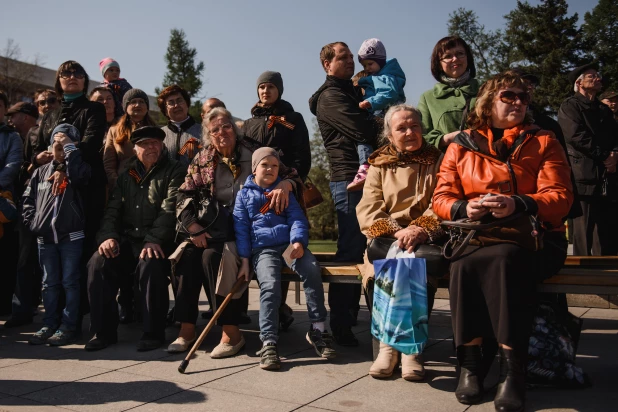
{"type": "Point", "coordinates": [238, 40]}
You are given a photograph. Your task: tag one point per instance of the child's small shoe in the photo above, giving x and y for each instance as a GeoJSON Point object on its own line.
{"type": "Point", "coordinates": [62, 338]}
{"type": "Point", "coordinates": [322, 343]}
{"type": "Point", "coordinates": [359, 179]}
{"type": "Point", "coordinates": [269, 357]}
{"type": "Point", "coordinates": [42, 336]}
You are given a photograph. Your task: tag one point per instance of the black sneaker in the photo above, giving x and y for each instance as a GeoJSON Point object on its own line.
{"type": "Point", "coordinates": [62, 338]}
{"type": "Point", "coordinates": [42, 336]}
{"type": "Point", "coordinates": [269, 358]}
{"type": "Point", "coordinates": [322, 342]}
{"type": "Point", "coordinates": [344, 336]}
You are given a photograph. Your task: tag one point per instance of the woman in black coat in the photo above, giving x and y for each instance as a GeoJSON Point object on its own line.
{"type": "Point", "coordinates": [275, 124]}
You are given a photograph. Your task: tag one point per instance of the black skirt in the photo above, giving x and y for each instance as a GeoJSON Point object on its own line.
{"type": "Point", "coordinates": [493, 291]}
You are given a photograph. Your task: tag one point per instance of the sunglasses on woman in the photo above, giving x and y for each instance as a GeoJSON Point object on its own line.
{"type": "Point", "coordinates": [510, 97]}
{"type": "Point", "coordinates": [78, 74]}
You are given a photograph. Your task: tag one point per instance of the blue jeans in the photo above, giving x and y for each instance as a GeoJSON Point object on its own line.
{"type": "Point", "coordinates": [61, 268]}
{"type": "Point", "coordinates": [351, 244]}
{"type": "Point", "coordinates": [364, 151]}
{"type": "Point", "coordinates": [267, 263]}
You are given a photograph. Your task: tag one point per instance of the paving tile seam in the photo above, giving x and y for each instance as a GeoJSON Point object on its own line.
{"type": "Point", "coordinates": [331, 392]}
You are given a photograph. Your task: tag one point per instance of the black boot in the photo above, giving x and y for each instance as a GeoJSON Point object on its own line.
{"type": "Point", "coordinates": [510, 396]}
{"type": "Point", "coordinates": [470, 387]}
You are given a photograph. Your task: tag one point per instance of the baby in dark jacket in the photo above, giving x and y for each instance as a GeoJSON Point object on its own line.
{"type": "Point", "coordinates": [56, 216]}
{"type": "Point", "coordinates": [264, 236]}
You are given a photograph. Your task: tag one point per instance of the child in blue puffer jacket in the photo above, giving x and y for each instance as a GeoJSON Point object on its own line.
{"type": "Point", "coordinates": [264, 236]}
{"type": "Point", "coordinates": [383, 88]}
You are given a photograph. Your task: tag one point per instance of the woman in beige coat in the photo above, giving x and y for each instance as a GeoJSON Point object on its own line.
{"type": "Point", "coordinates": [118, 149]}
{"type": "Point", "coordinates": [396, 203]}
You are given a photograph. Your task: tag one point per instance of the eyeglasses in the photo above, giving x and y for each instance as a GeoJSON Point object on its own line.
{"type": "Point", "coordinates": [224, 128]}
{"type": "Point", "coordinates": [171, 103]}
{"type": "Point", "coordinates": [78, 74]}
{"type": "Point", "coordinates": [46, 102]}
{"type": "Point", "coordinates": [137, 102]}
{"type": "Point", "coordinates": [510, 97]}
{"type": "Point", "coordinates": [450, 57]}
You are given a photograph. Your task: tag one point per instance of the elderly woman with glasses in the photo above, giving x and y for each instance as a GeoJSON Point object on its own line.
{"type": "Point", "coordinates": [215, 175]}
{"type": "Point", "coordinates": [182, 132]}
{"type": "Point", "coordinates": [446, 105]}
{"type": "Point", "coordinates": [503, 166]}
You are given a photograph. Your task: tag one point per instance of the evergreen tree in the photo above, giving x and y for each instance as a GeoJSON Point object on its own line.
{"type": "Point", "coordinates": [322, 217]}
{"type": "Point", "coordinates": [487, 46]}
{"type": "Point", "coordinates": [600, 31]}
{"type": "Point", "coordinates": [544, 40]}
{"type": "Point", "coordinates": [181, 67]}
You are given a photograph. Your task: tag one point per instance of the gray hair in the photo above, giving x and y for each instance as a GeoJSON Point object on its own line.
{"type": "Point", "coordinates": [388, 118]}
{"type": "Point", "coordinates": [579, 79]}
{"type": "Point", "coordinates": [213, 114]}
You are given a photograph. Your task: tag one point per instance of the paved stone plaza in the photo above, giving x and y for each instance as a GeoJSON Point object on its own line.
{"type": "Point", "coordinates": [120, 378]}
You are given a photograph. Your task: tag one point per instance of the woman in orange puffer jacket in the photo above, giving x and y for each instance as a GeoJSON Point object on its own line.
{"type": "Point", "coordinates": [492, 288]}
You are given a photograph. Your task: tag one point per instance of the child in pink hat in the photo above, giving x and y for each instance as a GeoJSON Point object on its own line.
{"type": "Point", "coordinates": [110, 70]}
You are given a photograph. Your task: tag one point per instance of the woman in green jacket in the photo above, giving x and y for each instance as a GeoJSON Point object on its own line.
{"type": "Point", "coordinates": [443, 107]}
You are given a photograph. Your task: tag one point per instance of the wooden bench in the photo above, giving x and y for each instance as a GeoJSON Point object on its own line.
{"type": "Point", "coordinates": [595, 275]}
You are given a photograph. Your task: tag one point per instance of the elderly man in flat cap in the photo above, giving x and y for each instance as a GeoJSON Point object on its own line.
{"type": "Point", "coordinates": [136, 236]}
{"type": "Point", "coordinates": [591, 134]}
{"type": "Point", "coordinates": [610, 99]}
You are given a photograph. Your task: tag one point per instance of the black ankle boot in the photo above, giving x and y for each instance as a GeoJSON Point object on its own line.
{"type": "Point", "coordinates": [470, 387]}
{"type": "Point", "coordinates": [511, 393]}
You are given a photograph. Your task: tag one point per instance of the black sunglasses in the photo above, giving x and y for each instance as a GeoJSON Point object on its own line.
{"type": "Point", "coordinates": [510, 97]}
{"type": "Point", "coordinates": [78, 74]}
{"type": "Point", "coordinates": [46, 102]}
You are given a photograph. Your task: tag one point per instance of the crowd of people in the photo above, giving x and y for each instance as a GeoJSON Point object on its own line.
{"type": "Point", "coordinates": [116, 208]}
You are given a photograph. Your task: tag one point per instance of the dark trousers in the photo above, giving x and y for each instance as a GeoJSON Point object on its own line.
{"type": "Point", "coordinates": [9, 249]}
{"type": "Point", "coordinates": [199, 267]}
{"type": "Point", "coordinates": [351, 243]}
{"type": "Point", "coordinates": [29, 276]}
{"type": "Point", "coordinates": [594, 233]}
{"type": "Point", "coordinates": [104, 279]}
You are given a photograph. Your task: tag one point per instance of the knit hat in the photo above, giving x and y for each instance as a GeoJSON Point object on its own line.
{"type": "Point", "coordinates": [106, 63]}
{"type": "Point", "coordinates": [271, 77]}
{"type": "Point", "coordinates": [372, 49]}
{"type": "Point", "coordinates": [67, 129]}
{"type": "Point", "coordinates": [133, 94]}
{"type": "Point", "coordinates": [260, 154]}
{"type": "Point", "coordinates": [147, 132]}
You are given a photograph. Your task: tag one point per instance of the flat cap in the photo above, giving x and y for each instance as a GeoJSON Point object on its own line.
{"type": "Point", "coordinates": [147, 132]}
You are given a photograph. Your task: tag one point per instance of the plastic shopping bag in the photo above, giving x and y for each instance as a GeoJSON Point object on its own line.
{"type": "Point", "coordinates": [399, 315]}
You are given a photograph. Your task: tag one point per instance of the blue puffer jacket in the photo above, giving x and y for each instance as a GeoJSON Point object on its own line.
{"type": "Point", "coordinates": [385, 88]}
{"type": "Point", "coordinates": [256, 230]}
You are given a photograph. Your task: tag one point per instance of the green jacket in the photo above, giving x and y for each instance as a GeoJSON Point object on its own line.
{"type": "Point", "coordinates": [144, 212]}
{"type": "Point", "coordinates": [442, 108]}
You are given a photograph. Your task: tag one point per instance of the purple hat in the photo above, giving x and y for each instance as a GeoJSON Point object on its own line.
{"type": "Point", "coordinates": [372, 49]}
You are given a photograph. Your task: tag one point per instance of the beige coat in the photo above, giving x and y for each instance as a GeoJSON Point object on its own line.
{"type": "Point", "coordinates": [394, 198]}
{"type": "Point", "coordinates": [115, 156]}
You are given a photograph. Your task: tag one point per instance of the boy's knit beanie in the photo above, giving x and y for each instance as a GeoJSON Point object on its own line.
{"type": "Point", "coordinates": [260, 154]}
{"type": "Point", "coordinates": [67, 129]}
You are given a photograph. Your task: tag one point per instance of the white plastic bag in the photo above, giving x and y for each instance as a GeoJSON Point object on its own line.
{"type": "Point", "coordinates": [394, 252]}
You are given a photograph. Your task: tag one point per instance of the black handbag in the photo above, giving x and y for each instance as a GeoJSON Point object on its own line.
{"type": "Point", "coordinates": [437, 265]}
{"type": "Point", "coordinates": [215, 219]}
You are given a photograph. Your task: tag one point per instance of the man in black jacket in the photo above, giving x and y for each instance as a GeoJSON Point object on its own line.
{"type": "Point", "coordinates": [342, 124]}
{"type": "Point", "coordinates": [591, 135]}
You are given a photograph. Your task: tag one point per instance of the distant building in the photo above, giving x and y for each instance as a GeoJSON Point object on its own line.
{"type": "Point", "coordinates": [20, 80]}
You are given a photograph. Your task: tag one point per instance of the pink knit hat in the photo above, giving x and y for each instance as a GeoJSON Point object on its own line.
{"type": "Point", "coordinates": [106, 63]}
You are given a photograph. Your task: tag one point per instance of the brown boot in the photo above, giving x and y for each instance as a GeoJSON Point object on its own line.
{"type": "Point", "coordinates": [412, 368]}
{"type": "Point", "coordinates": [385, 362]}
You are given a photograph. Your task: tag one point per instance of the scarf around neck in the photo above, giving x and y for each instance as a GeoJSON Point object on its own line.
{"type": "Point", "coordinates": [389, 156]}
{"type": "Point", "coordinates": [461, 80]}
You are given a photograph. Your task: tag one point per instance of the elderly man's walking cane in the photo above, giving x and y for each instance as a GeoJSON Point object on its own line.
{"type": "Point", "coordinates": [183, 365]}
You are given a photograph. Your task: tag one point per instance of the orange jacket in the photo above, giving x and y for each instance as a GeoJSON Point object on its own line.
{"type": "Point", "coordinates": [536, 173]}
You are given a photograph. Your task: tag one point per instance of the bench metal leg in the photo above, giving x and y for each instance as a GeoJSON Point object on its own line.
{"type": "Point", "coordinates": [297, 292]}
